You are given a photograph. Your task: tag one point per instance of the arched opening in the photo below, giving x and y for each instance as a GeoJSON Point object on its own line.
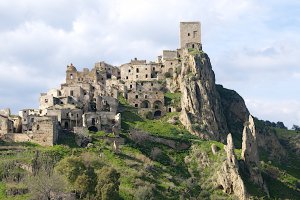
{"type": "Point", "coordinates": [157, 104]}
{"type": "Point", "coordinates": [93, 129]}
{"type": "Point", "coordinates": [145, 104]}
{"type": "Point", "coordinates": [170, 109]}
{"type": "Point", "coordinates": [193, 46]}
{"type": "Point", "coordinates": [157, 113]}
{"type": "Point", "coordinates": [66, 125]}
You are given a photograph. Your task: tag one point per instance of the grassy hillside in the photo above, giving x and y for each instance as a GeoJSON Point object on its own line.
{"type": "Point", "coordinates": [148, 168]}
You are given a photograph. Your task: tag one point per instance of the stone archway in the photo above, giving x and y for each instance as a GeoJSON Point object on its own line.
{"type": "Point", "coordinates": [93, 129]}
{"type": "Point", "coordinates": [157, 114]}
{"type": "Point", "coordinates": [145, 104]}
{"type": "Point", "coordinates": [66, 125]}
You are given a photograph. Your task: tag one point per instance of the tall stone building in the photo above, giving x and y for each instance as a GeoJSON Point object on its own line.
{"type": "Point", "coordinates": [190, 35]}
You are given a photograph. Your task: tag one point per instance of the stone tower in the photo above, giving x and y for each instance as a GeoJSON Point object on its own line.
{"type": "Point", "coordinates": [190, 35]}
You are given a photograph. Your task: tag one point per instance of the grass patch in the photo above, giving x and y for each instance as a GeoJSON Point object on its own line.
{"type": "Point", "coordinates": [173, 99]}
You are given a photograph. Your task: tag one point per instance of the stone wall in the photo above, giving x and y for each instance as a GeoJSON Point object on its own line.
{"type": "Point", "coordinates": [169, 54]}
{"type": "Point", "coordinates": [189, 33]}
{"type": "Point", "coordinates": [45, 131]}
{"type": "Point", "coordinates": [96, 121]}
{"type": "Point", "coordinates": [6, 126]}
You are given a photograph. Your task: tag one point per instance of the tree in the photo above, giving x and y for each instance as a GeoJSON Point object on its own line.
{"type": "Point", "coordinates": [296, 127]}
{"type": "Point", "coordinates": [43, 186]}
{"type": "Point", "coordinates": [280, 125]}
{"type": "Point", "coordinates": [71, 167]}
{"type": "Point", "coordinates": [107, 184]}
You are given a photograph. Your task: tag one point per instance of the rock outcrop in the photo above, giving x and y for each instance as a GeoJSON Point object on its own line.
{"type": "Point", "coordinates": [235, 111]}
{"type": "Point", "coordinates": [202, 112]}
{"type": "Point", "coordinates": [141, 137]}
{"type": "Point", "coordinates": [250, 152]}
{"type": "Point", "coordinates": [229, 178]}
{"type": "Point", "coordinates": [268, 142]}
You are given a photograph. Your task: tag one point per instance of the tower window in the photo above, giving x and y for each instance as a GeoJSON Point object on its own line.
{"type": "Point", "coordinates": [129, 71]}
{"type": "Point", "coordinates": [71, 93]}
{"type": "Point", "coordinates": [137, 70]}
{"type": "Point", "coordinates": [194, 34]}
{"type": "Point", "coordinates": [126, 77]}
{"type": "Point", "coordinates": [130, 86]}
{"type": "Point", "coordinates": [146, 75]}
{"type": "Point", "coordinates": [188, 34]}
{"type": "Point", "coordinates": [71, 76]}
{"type": "Point", "coordinates": [136, 96]}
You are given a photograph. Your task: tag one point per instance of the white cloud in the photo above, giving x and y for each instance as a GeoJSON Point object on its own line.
{"type": "Point", "coordinates": [253, 45]}
{"type": "Point", "coordinates": [287, 111]}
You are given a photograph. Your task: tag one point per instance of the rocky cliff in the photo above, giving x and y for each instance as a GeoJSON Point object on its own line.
{"type": "Point", "coordinates": [202, 111]}
{"type": "Point", "coordinates": [250, 152]}
{"type": "Point", "coordinates": [211, 111]}
{"type": "Point", "coordinates": [228, 176]}
{"type": "Point", "coordinates": [235, 111]}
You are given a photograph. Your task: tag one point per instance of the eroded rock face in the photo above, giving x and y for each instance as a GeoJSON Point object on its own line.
{"type": "Point", "coordinates": [268, 141]}
{"type": "Point", "coordinates": [235, 110]}
{"type": "Point", "coordinates": [228, 176]}
{"type": "Point", "coordinates": [250, 152]}
{"type": "Point", "coordinates": [202, 112]}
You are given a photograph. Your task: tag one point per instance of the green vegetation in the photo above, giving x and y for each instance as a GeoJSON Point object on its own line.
{"type": "Point", "coordinates": [194, 51]}
{"type": "Point", "coordinates": [168, 75]}
{"type": "Point", "coordinates": [173, 99]}
{"type": "Point", "coordinates": [143, 169]}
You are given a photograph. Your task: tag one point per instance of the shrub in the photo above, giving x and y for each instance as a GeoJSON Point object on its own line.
{"type": "Point", "coordinates": [178, 70]}
{"type": "Point", "coordinates": [168, 75]}
{"type": "Point", "coordinates": [145, 192]}
{"type": "Point", "coordinates": [149, 115]}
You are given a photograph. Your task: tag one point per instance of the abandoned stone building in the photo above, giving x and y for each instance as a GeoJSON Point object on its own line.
{"type": "Point", "coordinates": [88, 98]}
{"type": "Point", "coordinates": [145, 81]}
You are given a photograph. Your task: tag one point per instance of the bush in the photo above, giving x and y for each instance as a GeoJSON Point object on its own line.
{"type": "Point", "coordinates": [149, 115]}
{"type": "Point", "coordinates": [168, 75]}
{"type": "Point", "coordinates": [108, 184]}
{"type": "Point", "coordinates": [145, 192]}
{"type": "Point", "coordinates": [178, 70]}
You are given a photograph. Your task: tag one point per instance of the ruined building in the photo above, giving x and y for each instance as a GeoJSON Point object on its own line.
{"type": "Point", "coordinates": [89, 98]}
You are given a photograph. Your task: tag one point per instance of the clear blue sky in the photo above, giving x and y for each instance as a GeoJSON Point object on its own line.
{"type": "Point", "coordinates": [254, 46]}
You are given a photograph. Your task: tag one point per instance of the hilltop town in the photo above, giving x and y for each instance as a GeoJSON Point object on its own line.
{"type": "Point", "coordinates": [88, 100]}
{"type": "Point", "coordinates": [164, 128]}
